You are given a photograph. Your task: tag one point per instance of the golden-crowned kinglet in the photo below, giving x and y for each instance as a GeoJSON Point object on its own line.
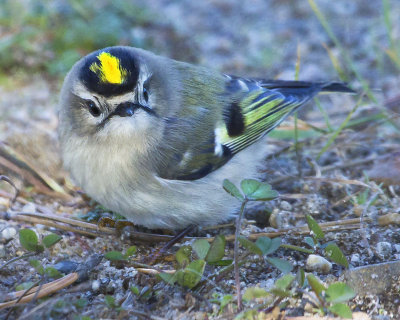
{"type": "Point", "coordinates": [153, 138]}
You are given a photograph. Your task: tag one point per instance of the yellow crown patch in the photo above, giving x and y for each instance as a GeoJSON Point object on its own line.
{"type": "Point", "coordinates": [109, 70]}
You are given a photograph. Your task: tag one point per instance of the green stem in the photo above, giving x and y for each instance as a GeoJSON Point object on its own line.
{"type": "Point", "coordinates": [324, 22]}
{"type": "Point", "coordinates": [324, 113]}
{"type": "Point", "coordinates": [297, 146]}
{"type": "Point", "coordinates": [296, 248]}
{"type": "Point", "coordinates": [220, 274]}
{"type": "Point", "coordinates": [341, 127]}
{"type": "Point", "coordinates": [388, 22]}
{"type": "Point", "coordinates": [236, 254]}
{"type": "Point", "coordinates": [296, 128]}
{"type": "Point", "coordinates": [26, 255]}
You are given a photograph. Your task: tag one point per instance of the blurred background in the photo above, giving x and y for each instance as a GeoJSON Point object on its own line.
{"type": "Point", "coordinates": [355, 41]}
{"type": "Point", "coordinates": [258, 38]}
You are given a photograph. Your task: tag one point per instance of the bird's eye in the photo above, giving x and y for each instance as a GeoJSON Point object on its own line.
{"type": "Point", "coordinates": [93, 109]}
{"type": "Point", "coordinates": [145, 95]}
{"type": "Point", "coordinates": [146, 85]}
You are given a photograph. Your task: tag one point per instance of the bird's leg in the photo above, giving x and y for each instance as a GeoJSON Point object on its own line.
{"type": "Point", "coordinates": [179, 236]}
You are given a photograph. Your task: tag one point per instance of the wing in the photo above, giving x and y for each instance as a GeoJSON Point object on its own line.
{"type": "Point", "coordinates": [263, 107]}
{"type": "Point", "coordinates": [251, 109]}
{"type": "Point", "coordinates": [189, 151]}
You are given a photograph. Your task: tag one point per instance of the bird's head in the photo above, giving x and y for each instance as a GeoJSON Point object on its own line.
{"type": "Point", "coordinates": [110, 94]}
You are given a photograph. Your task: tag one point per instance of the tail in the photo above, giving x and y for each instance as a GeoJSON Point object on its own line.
{"type": "Point", "coordinates": [311, 88]}
{"type": "Point", "coordinates": [336, 87]}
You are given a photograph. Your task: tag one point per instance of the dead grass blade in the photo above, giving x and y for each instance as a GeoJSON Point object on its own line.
{"type": "Point", "coordinates": [40, 291]}
{"type": "Point", "coordinates": [340, 181]}
{"type": "Point", "coordinates": [15, 162]}
{"type": "Point", "coordinates": [89, 229]}
{"type": "Point", "coordinates": [9, 181]}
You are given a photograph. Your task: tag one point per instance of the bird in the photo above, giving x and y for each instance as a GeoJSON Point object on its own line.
{"type": "Point", "coordinates": [153, 139]}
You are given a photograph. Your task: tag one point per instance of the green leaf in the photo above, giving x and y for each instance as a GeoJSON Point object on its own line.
{"type": "Point", "coordinates": [283, 265]}
{"type": "Point", "coordinates": [51, 240]}
{"type": "Point", "coordinates": [314, 227]}
{"type": "Point", "coordinates": [192, 274]}
{"type": "Point", "coordinates": [341, 310]}
{"type": "Point", "coordinates": [250, 314]}
{"type": "Point", "coordinates": [217, 249]}
{"type": "Point", "coordinates": [168, 277]}
{"type": "Point", "coordinates": [281, 293]}
{"type": "Point", "coordinates": [232, 190]}
{"type": "Point", "coordinates": [254, 293]}
{"type": "Point", "coordinates": [310, 242]}
{"type": "Point", "coordinates": [284, 282]}
{"type": "Point", "coordinates": [226, 299]}
{"type": "Point", "coordinates": [251, 246]}
{"type": "Point", "coordinates": [146, 292]}
{"type": "Point", "coordinates": [135, 290]}
{"type": "Point", "coordinates": [81, 303]}
{"type": "Point", "coordinates": [114, 256]}
{"type": "Point", "coordinates": [222, 263]}
{"type": "Point", "coordinates": [257, 191]}
{"type": "Point", "coordinates": [37, 265]}
{"type": "Point", "coordinates": [110, 301]}
{"type": "Point", "coordinates": [183, 255]}
{"type": "Point", "coordinates": [24, 286]}
{"type": "Point", "coordinates": [315, 284]}
{"type": "Point", "coordinates": [301, 277]}
{"type": "Point", "coordinates": [130, 251]}
{"type": "Point", "coordinates": [52, 272]}
{"type": "Point", "coordinates": [201, 248]}
{"type": "Point", "coordinates": [339, 292]}
{"type": "Point", "coordinates": [333, 252]}
{"type": "Point", "coordinates": [29, 240]}
{"type": "Point", "coordinates": [267, 245]}
{"type": "Point", "coordinates": [264, 244]}
{"type": "Point", "coordinates": [59, 305]}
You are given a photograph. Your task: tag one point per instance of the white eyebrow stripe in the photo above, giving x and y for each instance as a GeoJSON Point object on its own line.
{"type": "Point", "coordinates": [80, 90]}
{"type": "Point", "coordinates": [115, 100]}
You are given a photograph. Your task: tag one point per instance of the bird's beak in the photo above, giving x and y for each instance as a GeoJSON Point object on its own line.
{"type": "Point", "coordinates": [126, 109]}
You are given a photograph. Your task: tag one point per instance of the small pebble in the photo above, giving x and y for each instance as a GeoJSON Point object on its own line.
{"type": "Point", "coordinates": [267, 284]}
{"type": "Point", "coordinates": [66, 266]}
{"type": "Point", "coordinates": [285, 206]}
{"type": "Point", "coordinates": [280, 219]}
{"type": "Point", "coordinates": [318, 263]}
{"type": "Point", "coordinates": [355, 258]}
{"type": "Point", "coordinates": [383, 249]}
{"type": "Point", "coordinates": [29, 208]}
{"type": "Point", "coordinates": [397, 247]}
{"type": "Point", "coordinates": [8, 233]}
{"type": "Point", "coordinates": [274, 219]}
{"type": "Point", "coordinates": [95, 285]}
{"type": "Point", "coordinates": [110, 288]}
